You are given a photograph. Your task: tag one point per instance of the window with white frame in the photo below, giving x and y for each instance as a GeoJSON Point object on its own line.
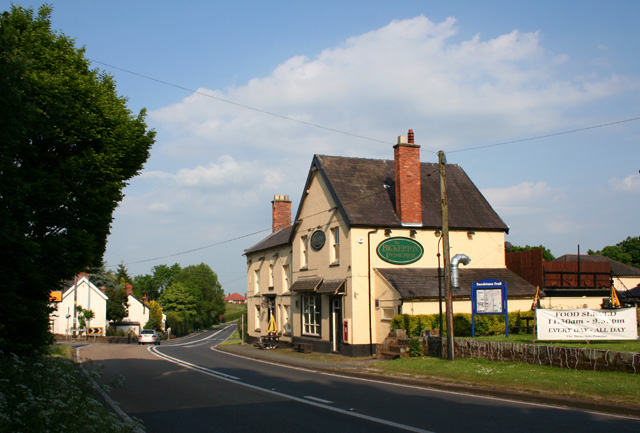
{"type": "Point", "coordinates": [286, 323]}
{"type": "Point", "coordinates": [256, 281]}
{"type": "Point", "coordinates": [311, 315]}
{"type": "Point", "coordinates": [388, 313]}
{"type": "Point", "coordinates": [285, 278]}
{"type": "Point", "coordinates": [271, 276]}
{"type": "Point", "coordinates": [257, 317]}
{"type": "Point", "coordinates": [335, 245]}
{"type": "Point", "coordinates": [304, 252]}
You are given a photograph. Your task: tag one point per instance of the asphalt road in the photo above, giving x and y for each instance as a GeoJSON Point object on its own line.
{"type": "Point", "coordinates": [187, 385]}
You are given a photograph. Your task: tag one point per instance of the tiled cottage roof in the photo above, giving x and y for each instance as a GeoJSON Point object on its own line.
{"type": "Point", "coordinates": [422, 283]}
{"type": "Point", "coordinates": [365, 192]}
{"type": "Point", "coordinates": [279, 238]}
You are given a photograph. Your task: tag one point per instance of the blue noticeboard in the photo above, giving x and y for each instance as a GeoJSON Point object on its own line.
{"type": "Point", "coordinates": [489, 297]}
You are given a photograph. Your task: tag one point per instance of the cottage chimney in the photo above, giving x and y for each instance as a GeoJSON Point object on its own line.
{"type": "Point", "coordinates": [408, 185]}
{"type": "Point", "coordinates": [281, 216]}
{"type": "Point", "coordinates": [129, 289]}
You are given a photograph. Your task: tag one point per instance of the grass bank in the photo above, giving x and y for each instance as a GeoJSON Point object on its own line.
{"type": "Point", "coordinates": [611, 387]}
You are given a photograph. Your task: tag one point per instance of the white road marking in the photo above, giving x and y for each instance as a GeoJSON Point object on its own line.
{"type": "Point", "coordinates": [319, 400]}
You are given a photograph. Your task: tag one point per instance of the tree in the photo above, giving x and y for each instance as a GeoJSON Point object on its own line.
{"type": "Point", "coordinates": [627, 251]}
{"type": "Point", "coordinates": [122, 274]}
{"type": "Point", "coordinates": [205, 288]}
{"type": "Point", "coordinates": [84, 316]}
{"type": "Point", "coordinates": [153, 285]}
{"type": "Point", "coordinates": [546, 253]}
{"type": "Point", "coordinates": [155, 316]}
{"type": "Point", "coordinates": [68, 146]}
{"type": "Point", "coordinates": [117, 304]}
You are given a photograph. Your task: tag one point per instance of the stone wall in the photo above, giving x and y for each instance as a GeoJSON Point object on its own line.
{"type": "Point", "coordinates": [552, 356]}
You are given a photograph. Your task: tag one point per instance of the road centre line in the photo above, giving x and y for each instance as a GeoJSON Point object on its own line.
{"type": "Point", "coordinates": [186, 343]}
{"type": "Point", "coordinates": [154, 350]}
{"type": "Point", "coordinates": [319, 400]}
{"type": "Point", "coordinates": [238, 381]}
{"type": "Point", "coordinates": [436, 390]}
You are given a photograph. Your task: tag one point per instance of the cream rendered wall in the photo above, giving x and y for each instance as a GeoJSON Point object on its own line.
{"type": "Point", "coordinates": [625, 283]}
{"type": "Point", "coordinates": [317, 212]}
{"type": "Point", "coordinates": [260, 261]}
{"type": "Point", "coordinates": [88, 297]}
{"type": "Point", "coordinates": [486, 250]}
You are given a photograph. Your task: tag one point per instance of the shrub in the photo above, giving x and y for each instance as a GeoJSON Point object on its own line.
{"type": "Point", "coordinates": [415, 348]}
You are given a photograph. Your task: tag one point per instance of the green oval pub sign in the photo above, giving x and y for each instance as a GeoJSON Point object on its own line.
{"type": "Point", "coordinates": [400, 251]}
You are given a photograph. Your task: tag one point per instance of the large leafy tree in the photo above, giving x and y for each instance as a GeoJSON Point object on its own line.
{"type": "Point", "coordinates": [627, 251]}
{"type": "Point", "coordinates": [206, 289]}
{"type": "Point", "coordinates": [68, 146]}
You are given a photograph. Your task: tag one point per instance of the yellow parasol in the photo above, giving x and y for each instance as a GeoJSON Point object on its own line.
{"type": "Point", "coordinates": [272, 329]}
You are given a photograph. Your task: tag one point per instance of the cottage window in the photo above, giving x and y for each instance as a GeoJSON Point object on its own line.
{"type": "Point", "coordinates": [304, 252]}
{"type": "Point", "coordinates": [311, 315]}
{"type": "Point", "coordinates": [271, 276]}
{"type": "Point", "coordinates": [256, 281]}
{"type": "Point", "coordinates": [335, 245]}
{"type": "Point", "coordinates": [285, 278]}
{"type": "Point", "coordinates": [257, 317]}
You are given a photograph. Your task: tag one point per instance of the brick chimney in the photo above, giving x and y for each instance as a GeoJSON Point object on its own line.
{"type": "Point", "coordinates": [129, 289]}
{"type": "Point", "coordinates": [406, 157]}
{"type": "Point", "coordinates": [281, 216]}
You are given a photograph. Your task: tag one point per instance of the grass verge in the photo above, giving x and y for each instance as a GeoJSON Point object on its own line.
{"type": "Point", "coordinates": [611, 387]}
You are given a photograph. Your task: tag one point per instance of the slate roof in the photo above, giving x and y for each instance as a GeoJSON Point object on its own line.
{"type": "Point", "coordinates": [619, 269]}
{"type": "Point", "coordinates": [358, 186]}
{"type": "Point", "coordinates": [422, 283]}
{"type": "Point", "coordinates": [279, 238]}
{"type": "Point", "coordinates": [364, 190]}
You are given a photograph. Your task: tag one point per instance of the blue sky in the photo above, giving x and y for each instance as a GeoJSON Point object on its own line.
{"type": "Point", "coordinates": [464, 75]}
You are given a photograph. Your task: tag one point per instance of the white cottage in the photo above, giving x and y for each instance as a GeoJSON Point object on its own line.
{"type": "Point", "coordinates": [84, 294]}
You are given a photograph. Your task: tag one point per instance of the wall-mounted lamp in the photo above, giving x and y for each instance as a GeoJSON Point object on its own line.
{"type": "Point", "coordinates": [413, 233]}
{"type": "Point", "coordinates": [387, 232]}
{"type": "Point", "coordinates": [437, 233]}
{"type": "Point", "coordinates": [470, 234]}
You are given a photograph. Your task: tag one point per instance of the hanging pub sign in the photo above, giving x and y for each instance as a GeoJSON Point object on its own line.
{"type": "Point", "coordinates": [400, 251]}
{"type": "Point", "coordinates": [489, 296]}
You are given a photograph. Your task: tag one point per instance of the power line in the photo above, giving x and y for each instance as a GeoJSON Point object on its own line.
{"type": "Point", "coordinates": [539, 137]}
{"type": "Point", "coordinates": [248, 107]}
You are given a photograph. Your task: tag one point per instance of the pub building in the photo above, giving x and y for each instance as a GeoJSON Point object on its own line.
{"type": "Point", "coordinates": [365, 245]}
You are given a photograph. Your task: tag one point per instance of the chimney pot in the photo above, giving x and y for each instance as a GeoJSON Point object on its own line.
{"type": "Point", "coordinates": [408, 182]}
{"type": "Point", "coordinates": [281, 212]}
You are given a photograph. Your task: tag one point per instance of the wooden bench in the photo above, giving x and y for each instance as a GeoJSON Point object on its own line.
{"type": "Point", "coordinates": [302, 347]}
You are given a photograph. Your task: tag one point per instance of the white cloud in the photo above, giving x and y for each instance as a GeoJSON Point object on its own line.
{"type": "Point", "coordinates": [406, 73]}
{"type": "Point", "coordinates": [630, 184]}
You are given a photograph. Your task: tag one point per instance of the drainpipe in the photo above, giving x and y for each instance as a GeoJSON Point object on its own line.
{"type": "Point", "coordinates": [369, 272]}
{"type": "Point", "coordinates": [457, 260]}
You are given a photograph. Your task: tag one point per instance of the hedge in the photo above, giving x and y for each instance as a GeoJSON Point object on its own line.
{"type": "Point", "coordinates": [485, 325]}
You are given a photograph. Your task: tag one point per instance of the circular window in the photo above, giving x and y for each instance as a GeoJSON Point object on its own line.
{"type": "Point", "coordinates": [317, 240]}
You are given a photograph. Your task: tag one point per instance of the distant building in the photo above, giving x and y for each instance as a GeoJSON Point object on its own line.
{"type": "Point", "coordinates": [82, 293]}
{"type": "Point", "coordinates": [136, 314]}
{"type": "Point", "coordinates": [365, 245]}
{"type": "Point", "coordinates": [235, 298]}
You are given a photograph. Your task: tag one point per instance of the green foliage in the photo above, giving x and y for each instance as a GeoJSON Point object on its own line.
{"type": "Point", "coordinates": [627, 251]}
{"type": "Point", "coordinates": [546, 253]}
{"type": "Point", "coordinates": [155, 316]}
{"type": "Point", "coordinates": [485, 324]}
{"type": "Point", "coordinates": [68, 146]}
{"type": "Point", "coordinates": [180, 323]}
{"type": "Point", "coordinates": [415, 348]}
{"type": "Point", "coordinates": [84, 316]}
{"type": "Point", "coordinates": [116, 303]}
{"type": "Point", "coordinates": [40, 394]}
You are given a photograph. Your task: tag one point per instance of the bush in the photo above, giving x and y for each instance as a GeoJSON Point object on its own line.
{"type": "Point", "coordinates": [415, 348]}
{"type": "Point", "coordinates": [40, 394]}
{"type": "Point", "coordinates": [484, 324]}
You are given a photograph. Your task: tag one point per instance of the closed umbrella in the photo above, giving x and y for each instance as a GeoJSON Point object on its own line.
{"type": "Point", "coordinates": [272, 329]}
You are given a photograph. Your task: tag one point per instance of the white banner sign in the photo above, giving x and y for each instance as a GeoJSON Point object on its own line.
{"type": "Point", "coordinates": [585, 324]}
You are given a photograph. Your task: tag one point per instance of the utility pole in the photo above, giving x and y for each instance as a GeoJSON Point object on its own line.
{"type": "Point", "coordinates": [446, 253]}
